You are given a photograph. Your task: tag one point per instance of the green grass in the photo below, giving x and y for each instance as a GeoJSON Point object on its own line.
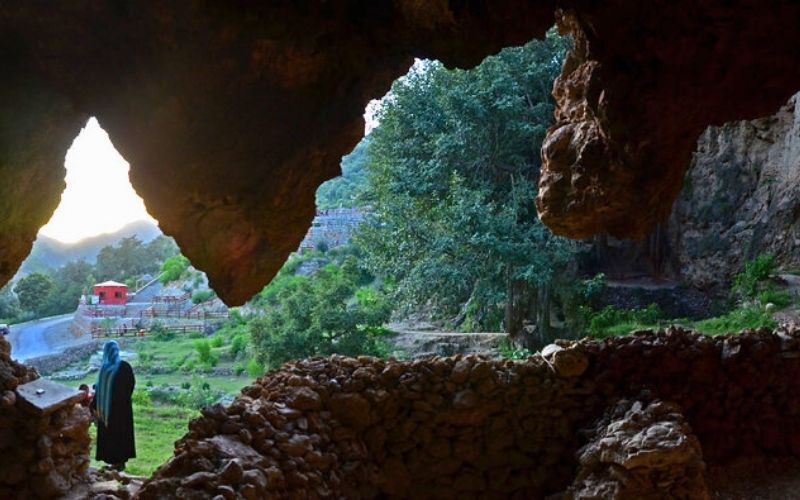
{"type": "Point", "coordinates": [158, 425]}
{"type": "Point", "coordinates": [736, 321]}
{"type": "Point", "coordinates": [157, 428]}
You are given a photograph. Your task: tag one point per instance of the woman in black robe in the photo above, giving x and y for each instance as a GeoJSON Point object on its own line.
{"type": "Point", "coordinates": [112, 405]}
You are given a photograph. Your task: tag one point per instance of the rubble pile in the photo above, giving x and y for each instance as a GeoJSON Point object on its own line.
{"type": "Point", "coordinates": [640, 450]}
{"type": "Point", "coordinates": [473, 427]}
{"type": "Point", "coordinates": [42, 454]}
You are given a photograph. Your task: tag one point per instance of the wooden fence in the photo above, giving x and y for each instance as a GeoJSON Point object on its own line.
{"type": "Point", "coordinates": [122, 331]}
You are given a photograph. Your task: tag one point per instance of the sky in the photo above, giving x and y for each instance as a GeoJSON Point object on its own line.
{"type": "Point", "coordinates": [97, 180]}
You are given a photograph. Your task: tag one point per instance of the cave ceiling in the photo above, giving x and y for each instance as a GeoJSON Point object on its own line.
{"type": "Point", "coordinates": [232, 113]}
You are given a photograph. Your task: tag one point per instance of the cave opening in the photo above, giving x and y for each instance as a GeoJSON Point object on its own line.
{"type": "Point", "coordinates": [631, 102]}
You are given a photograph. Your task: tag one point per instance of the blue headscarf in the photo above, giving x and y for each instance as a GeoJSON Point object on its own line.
{"type": "Point", "coordinates": [105, 381]}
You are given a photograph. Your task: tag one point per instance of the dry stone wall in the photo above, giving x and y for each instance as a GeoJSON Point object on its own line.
{"type": "Point", "coordinates": [472, 427]}
{"type": "Point", "coordinates": [41, 455]}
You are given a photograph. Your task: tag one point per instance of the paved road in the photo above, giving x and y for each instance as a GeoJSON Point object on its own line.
{"type": "Point", "coordinates": [43, 336]}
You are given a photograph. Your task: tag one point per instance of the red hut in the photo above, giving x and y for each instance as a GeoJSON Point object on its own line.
{"type": "Point", "coordinates": [111, 293]}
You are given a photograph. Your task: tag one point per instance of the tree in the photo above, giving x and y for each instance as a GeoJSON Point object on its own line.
{"type": "Point", "coordinates": [452, 169]}
{"type": "Point", "coordinates": [70, 281]}
{"type": "Point", "coordinates": [328, 312]}
{"type": "Point", "coordinates": [33, 291]}
{"type": "Point", "coordinates": [344, 191]}
{"type": "Point", "coordinates": [173, 268]}
{"type": "Point", "coordinates": [9, 304]}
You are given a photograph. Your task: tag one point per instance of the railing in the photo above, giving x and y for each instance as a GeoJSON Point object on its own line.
{"type": "Point", "coordinates": [171, 298]}
{"type": "Point", "coordinates": [201, 315]}
{"type": "Point", "coordinates": [102, 313]}
{"type": "Point", "coordinates": [121, 331]}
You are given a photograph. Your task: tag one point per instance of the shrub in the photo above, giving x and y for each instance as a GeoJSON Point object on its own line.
{"type": "Point", "coordinates": [755, 271]}
{"type": "Point", "coordinates": [173, 268]}
{"type": "Point", "coordinates": [141, 398]}
{"type": "Point", "coordinates": [613, 321]}
{"type": "Point", "coordinates": [204, 354]}
{"type": "Point", "coordinates": [239, 369]}
{"type": "Point", "coordinates": [217, 341]}
{"type": "Point", "coordinates": [780, 298]}
{"type": "Point", "coordinates": [737, 320]}
{"type": "Point", "coordinates": [199, 395]}
{"type": "Point", "coordinates": [238, 345]}
{"type": "Point", "coordinates": [254, 368]}
{"type": "Point", "coordinates": [510, 351]}
{"type": "Point", "coordinates": [202, 296]}
{"type": "Point", "coordinates": [160, 332]}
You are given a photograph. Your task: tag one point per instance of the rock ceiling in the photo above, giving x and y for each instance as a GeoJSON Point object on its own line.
{"type": "Point", "coordinates": [232, 114]}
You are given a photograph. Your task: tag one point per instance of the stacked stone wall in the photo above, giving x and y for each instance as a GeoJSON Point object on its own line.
{"type": "Point", "coordinates": [41, 456]}
{"type": "Point", "coordinates": [473, 427]}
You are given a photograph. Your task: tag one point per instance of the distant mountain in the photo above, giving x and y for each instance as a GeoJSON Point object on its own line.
{"type": "Point", "coordinates": [51, 253]}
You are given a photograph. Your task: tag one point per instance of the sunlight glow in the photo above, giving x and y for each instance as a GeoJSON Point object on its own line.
{"type": "Point", "coordinates": [99, 197]}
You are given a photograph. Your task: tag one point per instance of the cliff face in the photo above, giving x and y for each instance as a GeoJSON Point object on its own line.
{"type": "Point", "coordinates": [741, 198]}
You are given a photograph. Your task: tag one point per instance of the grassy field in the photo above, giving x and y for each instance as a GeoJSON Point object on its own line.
{"type": "Point", "coordinates": [172, 384]}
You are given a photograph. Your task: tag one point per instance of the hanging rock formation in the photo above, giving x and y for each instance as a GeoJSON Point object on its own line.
{"type": "Point", "coordinates": [232, 114]}
{"type": "Point", "coordinates": [641, 84]}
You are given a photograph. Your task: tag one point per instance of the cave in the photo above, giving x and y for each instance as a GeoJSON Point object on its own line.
{"type": "Point", "coordinates": [231, 115]}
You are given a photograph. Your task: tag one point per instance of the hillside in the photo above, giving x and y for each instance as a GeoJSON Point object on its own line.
{"type": "Point", "coordinates": [50, 253]}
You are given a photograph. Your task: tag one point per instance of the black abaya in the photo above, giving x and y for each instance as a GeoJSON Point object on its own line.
{"type": "Point", "coordinates": [115, 442]}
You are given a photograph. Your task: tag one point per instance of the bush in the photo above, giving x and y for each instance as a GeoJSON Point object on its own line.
{"type": "Point", "coordinates": [239, 369]}
{"type": "Point", "coordinates": [613, 321]}
{"type": "Point", "coordinates": [204, 354]}
{"type": "Point", "coordinates": [202, 296]}
{"type": "Point", "coordinates": [141, 398]}
{"type": "Point", "coordinates": [254, 368]}
{"type": "Point", "coordinates": [757, 270]}
{"type": "Point", "coordinates": [198, 395]}
{"type": "Point", "coordinates": [238, 345]}
{"type": "Point", "coordinates": [160, 332]}
{"type": "Point", "coordinates": [737, 320]}
{"type": "Point", "coordinates": [217, 341]}
{"type": "Point", "coordinates": [173, 268]}
{"type": "Point", "coordinates": [780, 298]}
{"type": "Point", "coordinates": [509, 351]}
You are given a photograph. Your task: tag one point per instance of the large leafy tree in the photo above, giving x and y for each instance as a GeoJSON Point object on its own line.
{"type": "Point", "coordinates": [70, 281]}
{"type": "Point", "coordinates": [453, 168]}
{"type": "Point", "coordinates": [331, 311]}
{"type": "Point", "coordinates": [33, 291]}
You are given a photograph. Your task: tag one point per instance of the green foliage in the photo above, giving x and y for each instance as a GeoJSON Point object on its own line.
{"type": "Point", "coordinates": [173, 268]}
{"type": "Point", "coordinates": [199, 395]}
{"type": "Point", "coordinates": [509, 351]}
{"type": "Point", "coordinates": [755, 271]}
{"type": "Point", "coordinates": [160, 332]}
{"type": "Point", "coordinates": [752, 316]}
{"type": "Point", "coordinates": [453, 169]}
{"type": "Point", "coordinates": [322, 246]}
{"type": "Point", "coordinates": [9, 305]}
{"type": "Point", "coordinates": [202, 296]}
{"type": "Point", "coordinates": [130, 258]}
{"type": "Point", "coordinates": [344, 191]}
{"type": "Point", "coordinates": [320, 315]}
{"type": "Point", "coordinates": [141, 398]}
{"type": "Point", "coordinates": [204, 354]}
{"type": "Point", "coordinates": [591, 289]}
{"type": "Point", "coordinates": [612, 321]}
{"type": "Point", "coordinates": [254, 368]}
{"type": "Point", "coordinates": [238, 345]}
{"type": "Point", "coordinates": [781, 298]}
{"type": "Point", "coordinates": [217, 340]}
{"type": "Point", "coordinates": [33, 290]}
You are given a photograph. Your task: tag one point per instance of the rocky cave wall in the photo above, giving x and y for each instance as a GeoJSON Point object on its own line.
{"type": "Point", "coordinates": [232, 114]}
{"type": "Point", "coordinates": [655, 407]}
{"type": "Point", "coordinates": [740, 198]}
{"type": "Point", "coordinates": [41, 455]}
